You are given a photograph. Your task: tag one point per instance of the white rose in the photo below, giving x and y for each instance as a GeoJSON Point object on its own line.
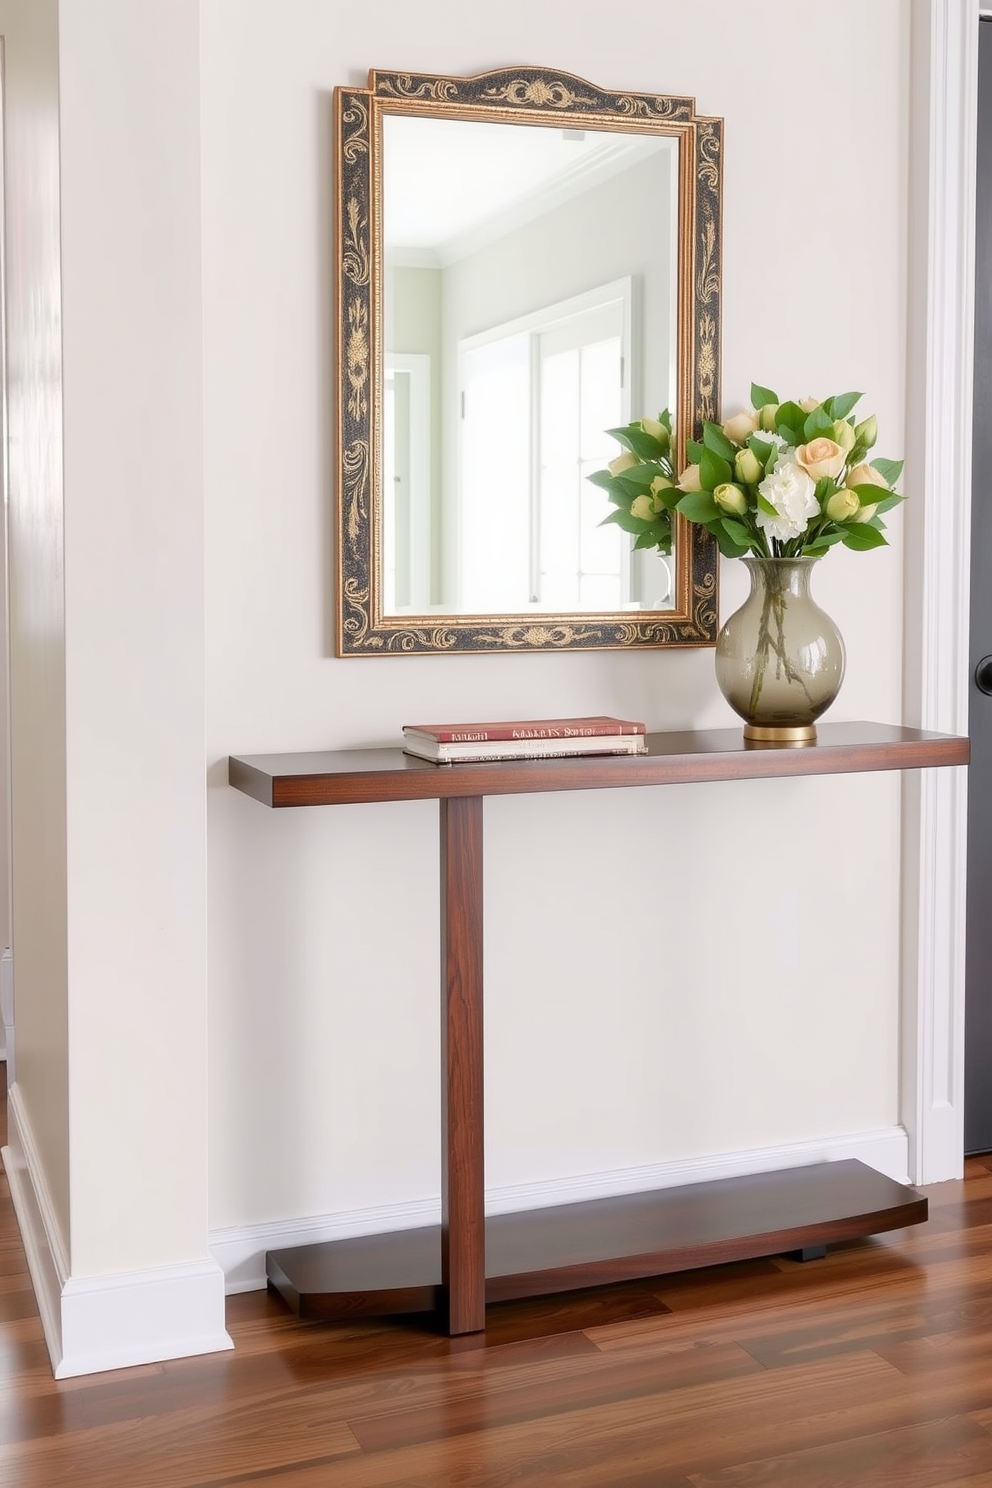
{"type": "Point", "coordinates": [741, 426]}
{"type": "Point", "coordinates": [793, 495]}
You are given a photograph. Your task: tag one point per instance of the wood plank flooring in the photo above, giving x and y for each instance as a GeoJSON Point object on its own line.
{"type": "Point", "coordinates": [871, 1367]}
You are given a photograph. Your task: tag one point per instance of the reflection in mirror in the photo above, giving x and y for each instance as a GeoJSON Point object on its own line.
{"type": "Point", "coordinates": [524, 263]}
{"type": "Point", "coordinates": [505, 277]}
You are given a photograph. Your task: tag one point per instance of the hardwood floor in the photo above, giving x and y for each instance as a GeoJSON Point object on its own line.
{"type": "Point", "coordinates": [873, 1366]}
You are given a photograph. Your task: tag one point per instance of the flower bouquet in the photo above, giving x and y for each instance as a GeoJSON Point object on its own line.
{"type": "Point", "coordinates": [784, 480]}
{"type": "Point", "coordinates": [777, 486]}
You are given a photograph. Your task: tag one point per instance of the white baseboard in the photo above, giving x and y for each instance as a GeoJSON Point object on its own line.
{"type": "Point", "coordinates": [141, 1317]}
{"type": "Point", "coordinates": [93, 1323]}
{"type": "Point", "coordinates": [240, 1250]}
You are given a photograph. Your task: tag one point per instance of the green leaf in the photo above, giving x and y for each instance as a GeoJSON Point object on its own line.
{"type": "Point", "coordinates": [818, 422]}
{"type": "Point", "coordinates": [671, 496]}
{"type": "Point", "coordinates": [870, 495]}
{"type": "Point", "coordinates": [624, 520]}
{"type": "Point", "coordinates": [761, 395]}
{"type": "Point", "coordinates": [761, 447]}
{"type": "Point", "coordinates": [729, 549]}
{"type": "Point", "coordinates": [660, 538]}
{"type": "Point", "coordinates": [713, 471]}
{"type": "Point", "coordinates": [841, 405]}
{"type": "Point", "coordinates": [766, 506]}
{"type": "Point", "coordinates": [602, 478]}
{"type": "Point", "coordinates": [825, 540]}
{"type": "Point", "coordinates": [888, 502]}
{"type": "Point", "coordinates": [693, 451]}
{"type": "Point", "coordinates": [699, 506]}
{"type": "Point", "coordinates": [863, 536]}
{"type": "Point", "coordinates": [789, 419]}
{"type": "Point", "coordinates": [633, 438]}
{"type": "Point", "coordinates": [889, 470]}
{"type": "Point", "coordinates": [736, 531]}
{"type": "Point", "coordinates": [639, 477]}
{"type": "Point", "coordinates": [714, 439]}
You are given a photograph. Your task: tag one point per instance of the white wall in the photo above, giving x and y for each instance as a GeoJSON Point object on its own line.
{"type": "Point", "coordinates": [669, 972]}
{"type": "Point", "coordinates": [134, 618]}
{"type": "Point", "coordinates": [37, 613]}
{"type": "Point", "coordinates": [107, 1150]}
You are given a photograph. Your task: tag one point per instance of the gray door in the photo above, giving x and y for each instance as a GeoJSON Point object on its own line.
{"type": "Point", "coordinates": [978, 1009]}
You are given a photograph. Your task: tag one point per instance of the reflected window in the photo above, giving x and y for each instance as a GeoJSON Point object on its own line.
{"type": "Point", "coordinates": [551, 383]}
{"type": "Point", "coordinates": [406, 482]}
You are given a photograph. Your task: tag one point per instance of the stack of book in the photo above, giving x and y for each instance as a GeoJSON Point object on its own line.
{"type": "Point", "coordinates": [540, 738]}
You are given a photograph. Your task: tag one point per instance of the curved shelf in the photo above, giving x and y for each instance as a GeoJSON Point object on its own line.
{"type": "Point", "coordinates": [468, 1260]}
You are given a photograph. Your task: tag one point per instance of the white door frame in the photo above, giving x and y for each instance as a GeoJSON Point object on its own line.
{"type": "Point", "coordinates": [943, 140]}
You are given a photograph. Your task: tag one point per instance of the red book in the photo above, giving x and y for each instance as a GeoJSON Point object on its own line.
{"type": "Point", "coordinates": [522, 728]}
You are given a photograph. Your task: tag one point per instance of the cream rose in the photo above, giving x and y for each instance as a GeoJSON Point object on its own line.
{"type": "Point", "coordinates": [808, 404]}
{"type": "Point", "coordinates": [730, 498]}
{"type": "Point", "coordinates": [843, 505]}
{"type": "Point", "coordinates": [642, 507]}
{"type": "Point", "coordinates": [867, 432]}
{"type": "Point", "coordinates": [866, 475]}
{"type": "Point", "coordinates": [623, 462]}
{"type": "Point", "coordinates": [844, 434]}
{"type": "Point", "coordinates": [767, 416]}
{"type": "Point", "coordinates": [821, 457]}
{"type": "Point", "coordinates": [867, 512]}
{"type": "Point", "coordinates": [656, 429]}
{"type": "Point", "coordinates": [741, 426]}
{"type": "Point", "coordinates": [689, 479]}
{"type": "Point", "coordinates": [792, 492]}
{"type": "Point", "coordinates": [747, 467]}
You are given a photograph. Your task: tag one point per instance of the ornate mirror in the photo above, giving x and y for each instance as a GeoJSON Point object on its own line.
{"type": "Point", "coordinates": [523, 262]}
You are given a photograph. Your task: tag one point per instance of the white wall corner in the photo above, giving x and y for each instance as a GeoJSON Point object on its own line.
{"type": "Point", "coordinates": [944, 99]}
{"type": "Point", "coordinates": [113, 1321]}
{"type": "Point", "coordinates": [44, 1243]}
{"type": "Point", "coordinates": [240, 1250]}
{"type": "Point", "coordinates": [7, 1011]}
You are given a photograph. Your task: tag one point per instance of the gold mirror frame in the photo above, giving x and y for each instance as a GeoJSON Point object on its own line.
{"type": "Point", "coordinates": [553, 99]}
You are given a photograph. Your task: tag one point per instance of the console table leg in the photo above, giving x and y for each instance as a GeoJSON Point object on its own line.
{"type": "Point", "coordinates": [463, 1235]}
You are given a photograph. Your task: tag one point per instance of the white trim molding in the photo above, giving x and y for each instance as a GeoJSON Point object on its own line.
{"type": "Point", "coordinates": [92, 1323]}
{"type": "Point", "coordinates": [240, 1250]}
{"type": "Point", "coordinates": [943, 142]}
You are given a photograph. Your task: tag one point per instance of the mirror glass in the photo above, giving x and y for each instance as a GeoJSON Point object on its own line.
{"type": "Point", "coordinates": [519, 325]}
{"type": "Point", "coordinates": [524, 262]}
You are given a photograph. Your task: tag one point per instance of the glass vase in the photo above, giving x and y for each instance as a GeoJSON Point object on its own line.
{"type": "Point", "coordinates": [780, 658]}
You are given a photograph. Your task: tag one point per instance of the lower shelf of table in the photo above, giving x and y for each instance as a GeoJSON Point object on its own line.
{"type": "Point", "coordinates": [601, 1241]}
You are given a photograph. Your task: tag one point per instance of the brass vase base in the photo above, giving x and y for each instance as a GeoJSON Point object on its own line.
{"type": "Point", "coordinates": [780, 733]}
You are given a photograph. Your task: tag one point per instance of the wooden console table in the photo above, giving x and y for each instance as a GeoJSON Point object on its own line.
{"type": "Point", "coordinates": [468, 1260]}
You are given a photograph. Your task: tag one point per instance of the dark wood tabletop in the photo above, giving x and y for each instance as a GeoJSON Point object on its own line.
{"type": "Point", "coordinates": [340, 777]}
